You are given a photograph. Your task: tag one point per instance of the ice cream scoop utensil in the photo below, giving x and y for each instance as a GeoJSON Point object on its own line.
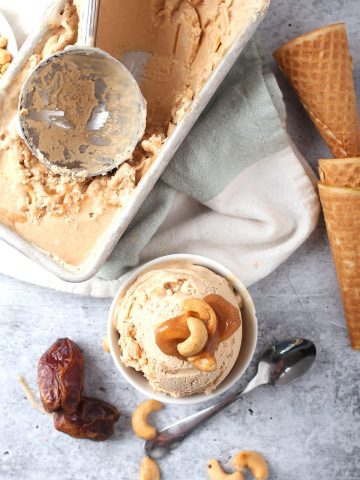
{"type": "Point", "coordinates": [280, 364]}
{"type": "Point", "coordinates": [81, 112]}
{"type": "Point", "coordinates": [88, 24]}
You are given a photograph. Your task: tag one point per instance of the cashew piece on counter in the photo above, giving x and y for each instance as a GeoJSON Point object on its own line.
{"type": "Point", "coordinates": [139, 419]}
{"type": "Point", "coordinates": [197, 339]}
{"type": "Point", "coordinates": [105, 344]}
{"type": "Point", "coordinates": [215, 472]}
{"type": "Point", "coordinates": [149, 470]}
{"type": "Point", "coordinates": [254, 462]}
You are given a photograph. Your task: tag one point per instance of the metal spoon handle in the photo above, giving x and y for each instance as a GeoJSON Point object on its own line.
{"type": "Point", "coordinates": [88, 23]}
{"type": "Point", "coordinates": [172, 436]}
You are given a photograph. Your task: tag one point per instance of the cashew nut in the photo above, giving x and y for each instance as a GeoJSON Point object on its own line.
{"type": "Point", "coordinates": [5, 56]}
{"type": "Point", "coordinates": [254, 462]}
{"type": "Point", "coordinates": [197, 339]}
{"type": "Point", "coordinates": [5, 67]}
{"type": "Point", "coordinates": [105, 344]}
{"type": "Point", "coordinates": [149, 470]}
{"type": "Point", "coordinates": [139, 419]}
{"type": "Point", "coordinates": [215, 472]}
{"type": "Point", "coordinates": [3, 42]}
{"type": "Point", "coordinates": [200, 309]}
{"type": "Point", "coordinates": [204, 362]}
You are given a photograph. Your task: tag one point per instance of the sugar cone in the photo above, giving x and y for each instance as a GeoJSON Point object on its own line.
{"type": "Point", "coordinates": [319, 67]}
{"type": "Point", "coordinates": [342, 172]}
{"type": "Point", "coordinates": [342, 216]}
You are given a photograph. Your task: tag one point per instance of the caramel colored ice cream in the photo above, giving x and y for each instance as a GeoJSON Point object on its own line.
{"type": "Point", "coordinates": [185, 40]}
{"type": "Point", "coordinates": [157, 296]}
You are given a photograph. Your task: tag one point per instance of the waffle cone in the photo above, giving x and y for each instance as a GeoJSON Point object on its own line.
{"type": "Point", "coordinates": [342, 172]}
{"type": "Point", "coordinates": [342, 216]}
{"type": "Point", "coordinates": [319, 67]}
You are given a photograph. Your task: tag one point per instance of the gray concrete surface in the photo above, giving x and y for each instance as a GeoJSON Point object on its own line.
{"type": "Point", "coordinates": [309, 430]}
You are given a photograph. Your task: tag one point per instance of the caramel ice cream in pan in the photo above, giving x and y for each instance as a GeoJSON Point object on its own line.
{"type": "Point", "coordinates": [183, 41]}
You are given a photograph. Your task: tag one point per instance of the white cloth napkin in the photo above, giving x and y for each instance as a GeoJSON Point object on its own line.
{"type": "Point", "coordinates": [262, 216]}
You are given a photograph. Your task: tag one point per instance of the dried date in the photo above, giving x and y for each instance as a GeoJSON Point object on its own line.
{"type": "Point", "coordinates": [61, 376]}
{"type": "Point", "coordinates": [94, 420]}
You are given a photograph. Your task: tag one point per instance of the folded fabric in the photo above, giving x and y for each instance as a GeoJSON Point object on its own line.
{"type": "Point", "coordinates": [236, 191]}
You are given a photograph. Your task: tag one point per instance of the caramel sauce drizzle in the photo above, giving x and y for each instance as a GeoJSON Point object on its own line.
{"type": "Point", "coordinates": [228, 316]}
{"type": "Point", "coordinates": [172, 332]}
{"type": "Point", "coordinates": [175, 330]}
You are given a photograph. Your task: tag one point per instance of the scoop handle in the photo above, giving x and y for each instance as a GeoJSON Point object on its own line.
{"type": "Point", "coordinates": [171, 437]}
{"type": "Point", "coordinates": [88, 23]}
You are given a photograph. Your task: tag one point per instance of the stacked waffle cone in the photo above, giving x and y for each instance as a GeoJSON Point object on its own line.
{"type": "Point", "coordinates": [319, 67]}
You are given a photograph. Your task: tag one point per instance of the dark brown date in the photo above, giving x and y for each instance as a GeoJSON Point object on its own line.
{"type": "Point", "coordinates": [61, 376]}
{"type": "Point", "coordinates": [94, 420]}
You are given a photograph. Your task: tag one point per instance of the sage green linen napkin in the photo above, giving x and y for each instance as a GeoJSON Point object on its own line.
{"type": "Point", "coordinates": [241, 125]}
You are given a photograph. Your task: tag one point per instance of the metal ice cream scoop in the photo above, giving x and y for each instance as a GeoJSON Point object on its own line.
{"type": "Point", "coordinates": [280, 364]}
{"type": "Point", "coordinates": [81, 111]}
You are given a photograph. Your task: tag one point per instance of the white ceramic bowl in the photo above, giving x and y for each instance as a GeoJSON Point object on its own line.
{"type": "Point", "coordinates": [249, 334]}
{"type": "Point", "coordinates": [6, 31]}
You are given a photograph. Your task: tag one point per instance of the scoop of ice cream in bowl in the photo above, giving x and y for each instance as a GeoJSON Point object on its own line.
{"type": "Point", "coordinates": [182, 329]}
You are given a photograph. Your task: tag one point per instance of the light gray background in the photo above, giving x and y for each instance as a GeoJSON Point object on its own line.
{"type": "Point", "coordinates": [310, 430]}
